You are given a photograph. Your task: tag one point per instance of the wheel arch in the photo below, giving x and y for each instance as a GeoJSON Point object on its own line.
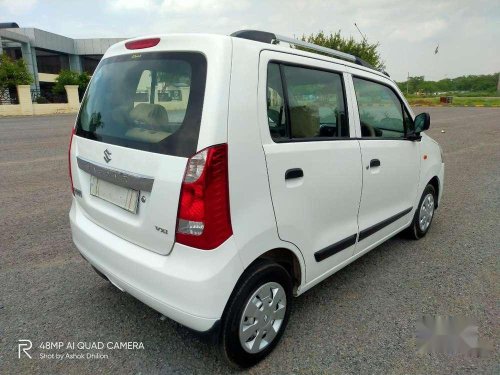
{"type": "Point", "coordinates": [284, 257]}
{"type": "Point", "coordinates": [434, 182]}
{"type": "Point", "coordinates": [289, 260]}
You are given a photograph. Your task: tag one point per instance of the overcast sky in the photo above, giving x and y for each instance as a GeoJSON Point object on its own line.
{"type": "Point", "coordinates": [468, 32]}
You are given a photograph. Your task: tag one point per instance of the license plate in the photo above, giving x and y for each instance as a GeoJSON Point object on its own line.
{"type": "Point", "coordinates": [125, 198]}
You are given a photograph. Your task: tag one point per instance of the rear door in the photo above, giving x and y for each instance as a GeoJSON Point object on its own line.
{"type": "Point", "coordinates": [138, 124]}
{"type": "Point", "coordinates": [312, 156]}
{"type": "Point", "coordinates": [391, 161]}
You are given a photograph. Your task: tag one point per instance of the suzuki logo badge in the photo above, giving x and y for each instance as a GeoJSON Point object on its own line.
{"type": "Point", "coordinates": [107, 156]}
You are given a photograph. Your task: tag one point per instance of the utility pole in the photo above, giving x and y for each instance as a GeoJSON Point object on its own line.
{"type": "Point", "coordinates": [407, 82]}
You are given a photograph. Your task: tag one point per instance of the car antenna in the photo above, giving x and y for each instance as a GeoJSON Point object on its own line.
{"type": "Point", "coordinates": [362, 35]}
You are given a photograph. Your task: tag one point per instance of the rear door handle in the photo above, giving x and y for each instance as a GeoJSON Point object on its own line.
{"type": "Point", "coordinates": [294, 173]}
{"type": "Point", "coordinates": [374, 163]}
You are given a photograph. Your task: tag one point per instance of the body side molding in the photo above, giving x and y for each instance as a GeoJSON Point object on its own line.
{"type": "Point", "coordinates": [335, 248]}
{"type": "Point", "coordinates": [375, 228]}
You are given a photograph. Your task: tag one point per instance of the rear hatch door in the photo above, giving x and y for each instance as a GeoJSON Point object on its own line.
{"type": "Point", "coordinates": [139, 122]}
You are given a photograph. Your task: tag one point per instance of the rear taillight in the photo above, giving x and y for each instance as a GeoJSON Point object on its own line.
{"type": "Point", "coordinates": [143, 43]}
{"type": "Point", "coordinates": [69, 161]}
{"type": "Point", "coordinates": [203, 219]}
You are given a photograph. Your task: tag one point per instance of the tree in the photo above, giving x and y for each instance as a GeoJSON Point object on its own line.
{"type": "Point", "coordinates": [364, 50]}
{"type": "Point", "coordinates": [13, 73]}
{"type": "Point", "coordinates": [479, 85]}
{"type": "Point", "coordinates": [68, 77]}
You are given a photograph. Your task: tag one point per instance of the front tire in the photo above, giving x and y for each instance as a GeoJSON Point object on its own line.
{"type": "Point", "coordinates": [257, 314]}
{"type": "Point", "coordinates": [423, 214]}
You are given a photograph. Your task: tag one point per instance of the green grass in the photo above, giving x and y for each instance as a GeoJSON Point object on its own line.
{"type": "Point", "coordinates": [457, 101]}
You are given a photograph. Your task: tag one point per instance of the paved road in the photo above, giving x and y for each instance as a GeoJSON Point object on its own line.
{"type": "Point", "coordinates": [361, 320]}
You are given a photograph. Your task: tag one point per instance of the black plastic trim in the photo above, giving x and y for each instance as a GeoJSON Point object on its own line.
{"type": "Point", "coordinates": [362, 62]}
{"type": "Point", "coordinates": [375, 228]}
{"type": "Point", "coordinates": [335, 248]}
{"type": "Point", "coordinates": [294, 173]}
{"type": "Point", "coordinates": [284, 87]}
{"type": "Point", "coordinates": [256, 35]}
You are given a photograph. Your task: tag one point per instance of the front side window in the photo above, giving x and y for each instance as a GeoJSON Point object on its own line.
{"type": "Point", "coordinates": [380, 111]}
{"type": "Point", "coordinates": [148, 101]}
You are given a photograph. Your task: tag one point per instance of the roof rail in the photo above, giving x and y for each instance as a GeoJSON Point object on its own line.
{"type": "Point", "coordinates": [9, 25]}
{"type": "Point", "coordinates": [267, 37]}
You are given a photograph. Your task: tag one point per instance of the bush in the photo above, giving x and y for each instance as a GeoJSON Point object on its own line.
{"type": "Point", "coordinates": [83, 81]}
{"type": "Point", "coordinates": [67, 77]}
{"type": "Point", "coordinates": [42, 100]}
{"type": "Point", "coordinates": [13, 73]}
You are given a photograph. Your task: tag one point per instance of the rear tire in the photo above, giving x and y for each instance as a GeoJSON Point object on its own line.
{"type": "Point", "coordinates": [423, 214]}
{"type": "Point", "coordinates": [257, 314]}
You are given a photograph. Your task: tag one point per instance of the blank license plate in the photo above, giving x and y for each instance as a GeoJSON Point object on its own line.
{"type": "Point", "coordinates": [122, 197]}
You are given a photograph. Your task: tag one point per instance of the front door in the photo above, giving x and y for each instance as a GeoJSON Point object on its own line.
{"type": "Point", "coordinates": [390, 162]}
{"type": "Point", "coordinates": [313, 159]}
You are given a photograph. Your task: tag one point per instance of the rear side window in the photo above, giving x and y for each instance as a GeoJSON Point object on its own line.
{"type": "Point", "coordinates": [149, 101]}
{"type": "Point", "coordinates": [381, 112]}
{"type": "Point", "coordinates": [306, 103]}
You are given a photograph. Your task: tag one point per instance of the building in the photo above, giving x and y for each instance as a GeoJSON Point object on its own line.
{"type": "Point", "coordinates": [46, 54]}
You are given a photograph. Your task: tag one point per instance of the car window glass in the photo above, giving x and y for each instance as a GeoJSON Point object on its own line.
{"type": "Point", "coordinates": [276, 112]}
{"type": "Point", "coordinates": [316, 103]}
{"type": "Point", "coordinates": [149, 101]}
{"type": "Point", "coordinates": [380, 110]}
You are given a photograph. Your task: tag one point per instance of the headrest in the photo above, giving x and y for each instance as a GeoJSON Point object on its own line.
{"type": "Point", "coordinates": [305, 122]}
{"type": "Point", "coordinates": [151, 115]}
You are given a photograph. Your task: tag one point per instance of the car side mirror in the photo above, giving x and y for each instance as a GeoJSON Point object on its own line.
{"type": "Point", "coordinates": [422, 122]}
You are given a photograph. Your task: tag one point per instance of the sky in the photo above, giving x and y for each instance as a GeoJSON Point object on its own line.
{"type": "Point", "coordinates": [467, 32]}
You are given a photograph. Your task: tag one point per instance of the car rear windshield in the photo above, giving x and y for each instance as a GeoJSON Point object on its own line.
{"type": "Point", "coordinates": [147, 101]}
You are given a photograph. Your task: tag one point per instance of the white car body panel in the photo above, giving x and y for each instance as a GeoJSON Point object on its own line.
{"type": "Point", "coordinates": [189, 285]}
{"type": "Point", "coordinates": [252, 213]}
{"type": "Point", "coordinates": [301, 217]}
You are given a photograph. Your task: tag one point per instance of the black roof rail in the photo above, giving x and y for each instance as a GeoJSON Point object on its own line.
{"type": "Point", "coordinates": [9, 25]}
{"type": "Point", "coordinates": [271, 38]}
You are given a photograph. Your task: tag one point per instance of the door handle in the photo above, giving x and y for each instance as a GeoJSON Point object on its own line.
{"type": "Point", "coordinates": [294, 173]}
{"type": "Point", "coordinates": [374, 163]}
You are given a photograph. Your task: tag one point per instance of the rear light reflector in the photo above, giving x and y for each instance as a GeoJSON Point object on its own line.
{"type": "Point", "coordinates": [203, 219]}
{"type": "Point", "coordinates": [69, 161]}
{"type": "Point", "coordinates": [143, 43]}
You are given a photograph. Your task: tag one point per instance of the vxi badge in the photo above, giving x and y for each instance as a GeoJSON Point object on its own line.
{"type": "Point", "coordinates": [107, 156]}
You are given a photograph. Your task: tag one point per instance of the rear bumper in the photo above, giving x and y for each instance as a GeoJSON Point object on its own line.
{"type": "Point", "coordinates": [189, 286]}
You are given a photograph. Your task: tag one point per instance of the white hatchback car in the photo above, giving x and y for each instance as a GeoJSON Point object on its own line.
{"type": "Point", "coordinates": [217, 177]}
